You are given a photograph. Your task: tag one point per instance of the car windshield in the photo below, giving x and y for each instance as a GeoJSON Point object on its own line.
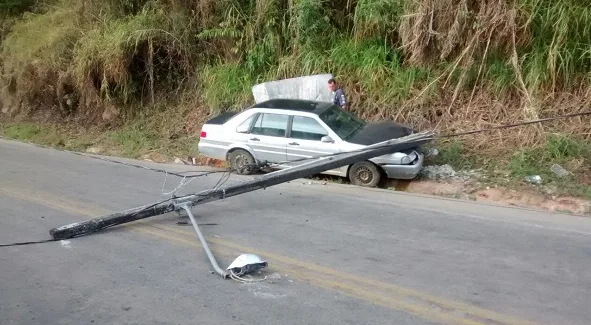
{"type": "Point", "coordinates": [343, 123]}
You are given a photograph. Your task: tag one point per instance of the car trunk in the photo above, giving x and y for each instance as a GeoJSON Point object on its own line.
{"type": "Point", "coordinates": [222, 118]}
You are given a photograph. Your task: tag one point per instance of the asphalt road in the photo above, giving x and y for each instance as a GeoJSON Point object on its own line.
{"type": "Point", "coordinates": [345, 255]}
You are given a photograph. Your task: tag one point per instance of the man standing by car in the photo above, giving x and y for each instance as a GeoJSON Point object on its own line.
{"type": "Point", "coordinates": [339, 94]}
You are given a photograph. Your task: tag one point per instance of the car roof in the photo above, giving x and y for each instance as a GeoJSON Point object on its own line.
{"type": "Point", "coordinates": [299, 105]}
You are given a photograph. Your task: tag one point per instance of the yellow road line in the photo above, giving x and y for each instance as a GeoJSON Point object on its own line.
{"type": "Point", "coordinates": [380, 293]}
{"type": "Point", "coordinates": [377, 285]}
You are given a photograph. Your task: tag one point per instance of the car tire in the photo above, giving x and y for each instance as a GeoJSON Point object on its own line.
{"type": "Point", "coordinates": [241, 162]}
{"type": "Point", "coordinates": [365, 174]}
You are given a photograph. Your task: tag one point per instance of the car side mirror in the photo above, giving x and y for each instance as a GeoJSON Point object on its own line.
{"type": "Point", "coordinates": [242, 129]}
{"type": "Point", "coordinates": [327, 139]}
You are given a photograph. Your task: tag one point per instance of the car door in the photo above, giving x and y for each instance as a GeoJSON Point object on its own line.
{"type": "Point", "coordinates": [305, 137]}
{"type": "Point", "coordinates": [242, 131]}
{"type": "Point", "coordinates": [268, 137]}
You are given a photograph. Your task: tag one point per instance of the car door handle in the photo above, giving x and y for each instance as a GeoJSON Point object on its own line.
{"type": "Point", "coordinates": [255, 139]}
{"type": "Point", "coordinates": [294, 144]}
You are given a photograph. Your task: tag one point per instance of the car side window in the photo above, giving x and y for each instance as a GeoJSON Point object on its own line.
{"type": "Point", "coordinates": [307, 128]}
{"type": "Point", "coordinates": [247, 123]}
{"type": "Point", "coordinates": [273, 125]}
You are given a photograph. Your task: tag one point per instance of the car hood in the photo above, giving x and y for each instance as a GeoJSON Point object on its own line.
{"type": "Point", "coordinates": [373, 133]}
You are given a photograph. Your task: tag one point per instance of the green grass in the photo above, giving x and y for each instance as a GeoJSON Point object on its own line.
{"type": "Point", "coordinates": [51, 135]}
{"type": "Point", "coordinates": [226, 87]}
{"type": "Point", "coordinates": [46, 39]}
{"type": "Point", "coordinates": [146, 136]}
{"type": "Point", "coordinates": [452, 153]}
{"type": "Point", "coordinates": [500, 76]}
{"type": "Point", "coordinates": [133, 141]}
{"type": "Point", "coordinates": [376, 18]}
{"type": "Point", "coordinates": [114, 56]}
{"type": "Point", "coordinates": [130, 141]}
{"type": "Point", "coordinates": [560, 34]}
{"type": "Point", "coordinates": [557, 150]}
{"type": "Point", "coordinates": [22, 131]}
{"type": "Point", "coordinates": [35, 133]}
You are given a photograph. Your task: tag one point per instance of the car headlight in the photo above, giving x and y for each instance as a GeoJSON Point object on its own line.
{"type": "Point", "coordinates": [405, 160]}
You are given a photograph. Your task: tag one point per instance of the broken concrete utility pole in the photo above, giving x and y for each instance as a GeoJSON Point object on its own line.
{"type": "Point", "coordinates": [315, 166]}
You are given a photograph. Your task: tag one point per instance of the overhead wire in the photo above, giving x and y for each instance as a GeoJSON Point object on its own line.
{"type": "Point", "coordinates": [181, 174]}
{"type": "Point", "coordinates": [237, 277]}
{"type": "Point", "coordinates": [227, 173]}
{"type": "Point", "coordinates": [28, 243]}
{"type": "Point", "coordinates": [223, 179]}
{"type": "Point", "coordinates": [507, 126]}
{"type": "Point", "coordinates": [157, 170]}
{"type": "Point", "coordinates": [451, 135]}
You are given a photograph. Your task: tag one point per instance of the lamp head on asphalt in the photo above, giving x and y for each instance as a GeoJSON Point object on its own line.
{"type": "Point", "coordinates": [246, 263]}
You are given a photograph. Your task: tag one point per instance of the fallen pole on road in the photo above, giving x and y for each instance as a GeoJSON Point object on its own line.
{"type": "Point", "coordinates": [312, 167]}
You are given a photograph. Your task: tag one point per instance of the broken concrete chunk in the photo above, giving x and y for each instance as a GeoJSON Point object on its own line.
{"type": "Point", "coordinates": [534, 179]}
{"type": "Point", "coordinates": [432, 152]}
{"type": "Point", "coordinates": [438, 172]}
{"type": "Point", "coordinates": [179, 161]}
{"type": "Point", "coordinates": [94, 150]}
{"type": "Point", "coordinates": [559, 170]}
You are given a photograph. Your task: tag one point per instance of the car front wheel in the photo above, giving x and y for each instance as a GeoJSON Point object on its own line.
{"type": "Point", "coordinates": [241, 162]}
{"type": "Point", "coordinates": [365, 174]}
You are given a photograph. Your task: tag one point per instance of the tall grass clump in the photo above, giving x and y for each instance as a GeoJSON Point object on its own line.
{"type": "Point", "coordinates": [130, 59]}
{"type": "Point", "coordinates": [558, 55]}
{"type": "Point", "coordinates": [226, 87]}
{"type": "Point", "coordinates": [251, 34]}
{"type": "Point", "coordinates": [35, 54]}
{"type": "Point", "coordinates": [310, 24]}
{"type": "Point", "coordinates": [450, 30]}
{"type": "Point", "coordinates": [374, 73]}
{"type": "Point", "coordinates": [377, 19]}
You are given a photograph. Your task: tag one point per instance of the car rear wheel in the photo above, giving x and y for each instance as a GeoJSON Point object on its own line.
{"type": "Point", "coordinates": [365, 174]}
{"type": "Point", "coordinates": [241, 162]}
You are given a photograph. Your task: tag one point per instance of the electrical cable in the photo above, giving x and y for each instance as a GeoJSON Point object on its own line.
{"type": "Point", "coordinates": [178, 174]}
{"type": "Point", "coordinates": [236, 277]}
{"type": "Point", "coordinates": [157, 170]}
{"type": "Point", "coordinates": [28, 243]}
{"type": "Point", "coordinates": [224, 178]}
{"type": "Point", "coordinates": [507, 126]}
{"type": "Point", "coordinates": [500, 127]}
{"type": "Point", "coordinates": [181, 185]}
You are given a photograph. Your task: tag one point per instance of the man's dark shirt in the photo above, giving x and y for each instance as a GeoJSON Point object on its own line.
{"type": "Point", "coordinates": [339, 98]}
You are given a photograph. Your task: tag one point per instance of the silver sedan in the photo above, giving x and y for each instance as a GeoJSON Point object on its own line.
{"type": "Point", "coordinates": [284, 132]}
